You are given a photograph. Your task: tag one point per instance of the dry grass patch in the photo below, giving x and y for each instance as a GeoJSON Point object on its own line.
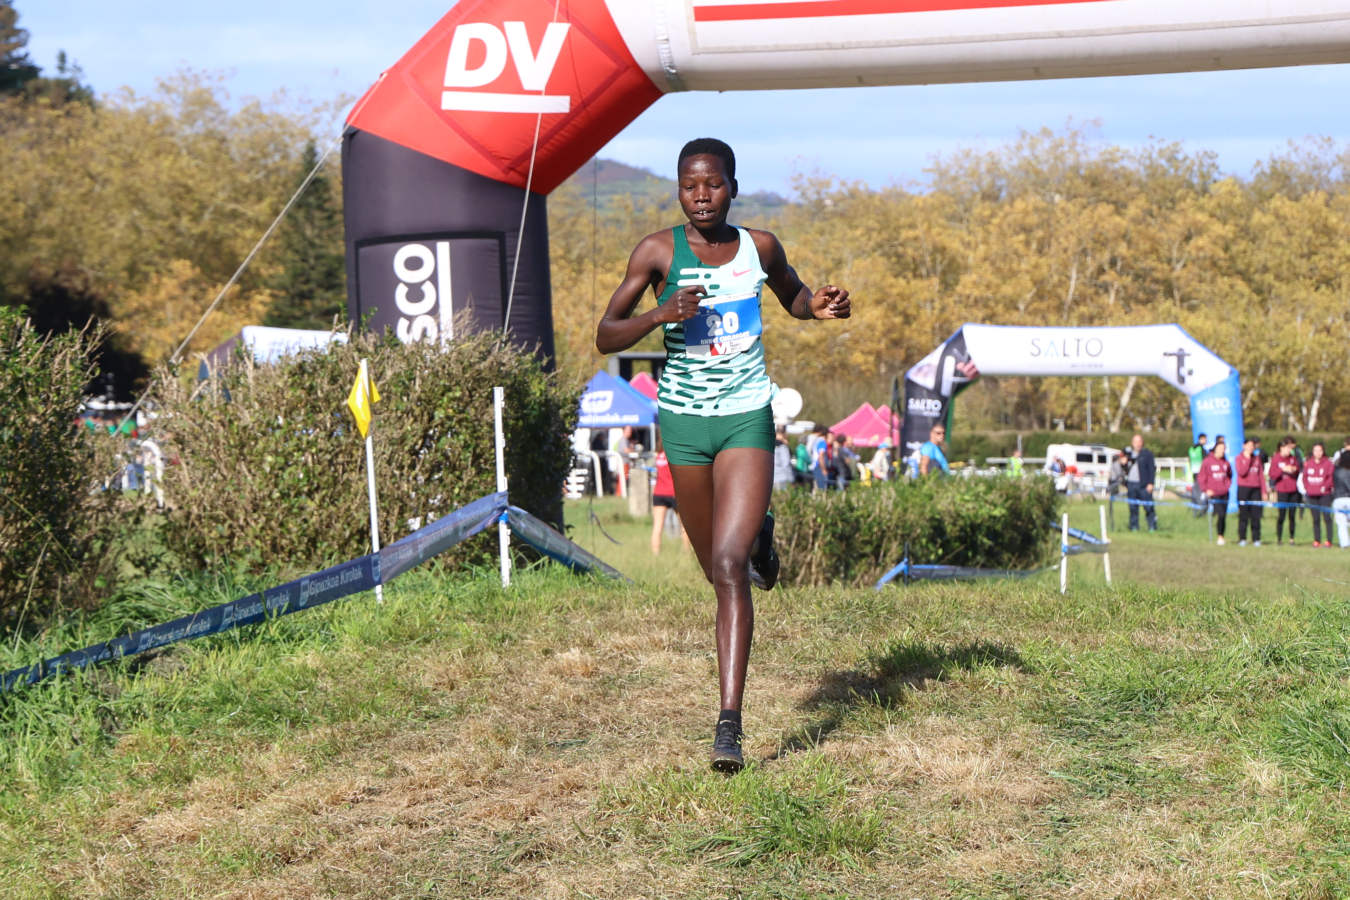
{"type": "Point", "coordinates": [942, 742]}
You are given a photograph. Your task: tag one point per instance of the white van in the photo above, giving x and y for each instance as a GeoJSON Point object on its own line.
{"type": "Point", "coordinates": [1087, 466]}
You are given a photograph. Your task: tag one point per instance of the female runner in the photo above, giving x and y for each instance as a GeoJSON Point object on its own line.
{"type": "Point", "coordinates": [713, 394]}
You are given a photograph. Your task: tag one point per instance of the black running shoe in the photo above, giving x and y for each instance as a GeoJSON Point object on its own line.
{"type": "Point", "coordinates": [726, 752]}
{"type": "Point", "coordinates": [763, 558]}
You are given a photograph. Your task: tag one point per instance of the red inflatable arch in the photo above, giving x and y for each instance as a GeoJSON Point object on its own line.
{"type": "Point", "coordinates": [448, 158]}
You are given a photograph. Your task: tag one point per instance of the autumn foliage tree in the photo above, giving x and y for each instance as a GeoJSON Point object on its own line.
{"type": "Point", "coordinates": [1054, 228]}
{"type": "Point", "coordinates": [139, 209]}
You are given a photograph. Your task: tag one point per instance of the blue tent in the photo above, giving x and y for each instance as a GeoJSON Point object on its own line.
{"type": "Point", "coordinates": [610, 402]}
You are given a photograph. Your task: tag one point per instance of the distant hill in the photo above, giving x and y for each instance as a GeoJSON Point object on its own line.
{"type": "Point", "coordinates": [610, 179]}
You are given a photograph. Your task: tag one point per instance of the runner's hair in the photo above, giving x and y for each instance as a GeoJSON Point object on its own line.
{"type": "Point", "coordinates": [713, 147]}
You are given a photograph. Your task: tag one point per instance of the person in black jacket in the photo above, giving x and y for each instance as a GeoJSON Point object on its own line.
{"type": "Point", "coordinates": [1139, 484]}
{"type": "Point", "coordinates": [1341, 496]}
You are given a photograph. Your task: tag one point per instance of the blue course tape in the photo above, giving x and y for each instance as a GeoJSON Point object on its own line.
{"type": "Point", "coordinates": [1086, 537]}
{"type": "Point", "coordinates": [549, 542]}
{"type": "Point", "coordinates": [1190, 504]}
{"type": "Point", "coordinates": [952, 573]}
{"type": "Point", "coordinates": [343, 580]}
{"type": "Point", "coordinates": [901, 569]}
{"type": "Point", "coordinates": [1091, 544]}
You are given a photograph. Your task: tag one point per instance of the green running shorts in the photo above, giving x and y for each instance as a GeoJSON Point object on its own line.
{"type": "Point", "coordinates": [695, 440]}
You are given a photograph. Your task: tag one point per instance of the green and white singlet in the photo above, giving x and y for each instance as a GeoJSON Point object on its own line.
{"type": "Point", "coordinates": [715, 361]}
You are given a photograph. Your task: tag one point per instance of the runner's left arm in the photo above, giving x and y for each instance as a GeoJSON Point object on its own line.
{"type": "Point", "coordinates": [830, 302]}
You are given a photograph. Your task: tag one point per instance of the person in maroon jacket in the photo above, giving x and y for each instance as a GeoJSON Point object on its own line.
{"type": "Point", "coordinates": [1251, 492]}
{"type": "Point", "coordinates": [1283, 475]}
{"type": "Point", "coordinates": [1318, 484]}
{"type": "Point", "coordinates": [1214, 480]}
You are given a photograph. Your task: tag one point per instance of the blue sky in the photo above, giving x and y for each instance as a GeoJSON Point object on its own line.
{"type": "Point", "coordinates": [875, 135]}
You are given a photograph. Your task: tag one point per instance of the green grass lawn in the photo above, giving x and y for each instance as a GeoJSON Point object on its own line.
{"type": "Point", "coordinates": [1182, 733]}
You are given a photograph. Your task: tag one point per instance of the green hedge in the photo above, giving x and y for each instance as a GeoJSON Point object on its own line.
{"type": "Point", "coordinates": [271, 470]}
{"type": "Point", "coordinates": [55, 523]}
{"type": "Point", "coordinates": [853, 537]}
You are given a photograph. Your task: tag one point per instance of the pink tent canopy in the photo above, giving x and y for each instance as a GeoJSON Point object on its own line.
{"type": "Point", "coordinates": [645, 384]}
{"type": "Point", "coordinates": [866, 425]}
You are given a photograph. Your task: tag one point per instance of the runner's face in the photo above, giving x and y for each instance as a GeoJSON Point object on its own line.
{"type": "Point", "coordinates": [705, 190]}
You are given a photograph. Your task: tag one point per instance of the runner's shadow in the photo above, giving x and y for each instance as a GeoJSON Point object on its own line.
{"type": "Point", "coordinates": [884, 681]}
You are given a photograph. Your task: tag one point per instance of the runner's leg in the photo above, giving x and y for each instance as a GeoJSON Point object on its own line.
{"type": "Point", "coordinates": [723, 507]}
{"type": "Point", "coordinates": [743, 482]}
{"type": "Point", "coordinates": [694, 498]}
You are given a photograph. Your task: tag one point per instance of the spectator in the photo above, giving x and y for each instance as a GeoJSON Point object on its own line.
{"type": "Point", "coordinates": [818, 446]}
{"type": "Point", "coordinates": [880, 464]}
{"type": "Point", "coordinates": [1139, 484]}
{"type": "Point", "coordinates": [1345, 449]}
{"type": "Point", "coordinates": [782, 459]}
{"type": "Point", "coordinates": [621, 440]}
{"type": "Point", "coordinates": [1319, 484]}
{"type": "Point", "coordinates": [1015, 463]}
{"type": "Point", "coordinates": [836, 472]}
{"type": "Point", "coordinates": [1120, 463]}
{"type": "Point", "coordinates": [801, 462]}
{"type": "Point", "coordinates": [1283, 478]}
{"type": "Point", "coordinates": [1195, 458]}
{"type": "Point", "coordinates": [1214, 478]}
{"type": "Point", "coordinates": [932, 459]}
{"type": "Point", "coordinates": [1341, 501]}
{"type": "Point", "coordinates": [663, 498]}
{"type": "Point", "coordinates": [846, 459]}
{"type": "Point", "coordinates": [1251, 492]}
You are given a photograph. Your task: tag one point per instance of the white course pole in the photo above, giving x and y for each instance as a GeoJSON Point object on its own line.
{"type": "Point", "coordinates": [374, 517]}
{"type": "Point", "coordinates": [1106, 557]}
{"type": "Point", "coordinates": [1064, 555]}
{"type": "Point", "coordinates": [503, 531]}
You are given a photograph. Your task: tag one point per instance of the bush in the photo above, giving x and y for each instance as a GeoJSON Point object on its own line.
{"type": "Point", "coordinates": [853, 537]}
{"type": "Point", "coordinates": [271, 470]}
{"type": "Point", "coordinates": [54, 525]}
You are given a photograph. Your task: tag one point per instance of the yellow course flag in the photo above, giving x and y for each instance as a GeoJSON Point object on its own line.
{"type": "Point", "coordinates": [363, 394]}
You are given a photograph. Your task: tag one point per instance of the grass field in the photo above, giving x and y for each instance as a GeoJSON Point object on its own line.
{"type": "Point", "coordinates": [1185, 733]}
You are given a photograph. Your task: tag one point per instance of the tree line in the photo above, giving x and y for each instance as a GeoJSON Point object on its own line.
{"type": "Point", "coordinates": [1053, 228]}
{"type": "Point", "coordinates": [137, 210]}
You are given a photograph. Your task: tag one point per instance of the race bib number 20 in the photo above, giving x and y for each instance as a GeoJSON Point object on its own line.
{"type": "Point", "coordinates": [724, 326]}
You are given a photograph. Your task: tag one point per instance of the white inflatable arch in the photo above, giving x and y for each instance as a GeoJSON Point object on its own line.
{"type": "Point", "coordinates": [503, 99]}
{"type": "Point", "coordinates": [1166, 351]}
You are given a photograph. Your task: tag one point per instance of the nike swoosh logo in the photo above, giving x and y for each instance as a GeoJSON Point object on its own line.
{"type": "Point", "coordinates": [735, 274]}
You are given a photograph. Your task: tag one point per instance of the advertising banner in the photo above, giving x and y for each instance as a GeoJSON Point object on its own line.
{"type": "Point", "coordinates": [930, 386]}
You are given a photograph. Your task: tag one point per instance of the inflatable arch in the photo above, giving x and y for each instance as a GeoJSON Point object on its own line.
{"type": "Point", "coordinates": [448, 157]}
{"type": "Point", "coordinates": [1163, 350]}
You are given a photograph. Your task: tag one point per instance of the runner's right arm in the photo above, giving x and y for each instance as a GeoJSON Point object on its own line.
{"type": "Point", "coordinates": [647, 267]}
